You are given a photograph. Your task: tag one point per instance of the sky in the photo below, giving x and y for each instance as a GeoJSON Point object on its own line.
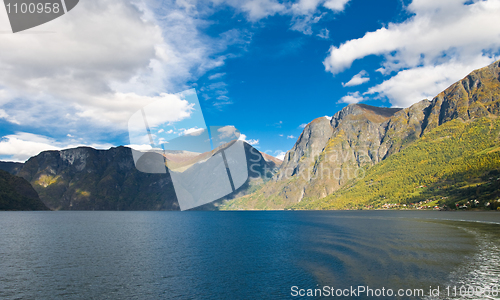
{"type": "Point", "coordinates": [266, 67]}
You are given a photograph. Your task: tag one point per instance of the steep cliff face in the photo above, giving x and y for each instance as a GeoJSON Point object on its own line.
{"type": "Point", "coordinates": [327, 156]}
{"type": "Point", "coordinates": [17, 194]}
{"type": "Point", "coordinates": [328, 153]}
{"type": "Point", "coordinates": [358, 140]}
{"type": "Point", "coordinates": [309, 145]}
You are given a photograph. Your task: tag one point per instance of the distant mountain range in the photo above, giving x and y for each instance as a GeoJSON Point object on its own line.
{"type": "Point", "coordinates": [88, 179]}
{"type": "Point", "coordinates": [445, 151]}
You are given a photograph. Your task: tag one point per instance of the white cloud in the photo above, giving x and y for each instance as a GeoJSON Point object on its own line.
{"type": "Point", "coordinates": [304, 23]}
{"type": "Point", "coordinates": [280, 155]}
{"type": "Point", "coordinates": [4, 115]}
{"type": "Point", "coordinates": [91, 76]}
{"type": "Point", "coordinates": [328, 117]}
{"type": "Point", "coordinates": [252, 142]}
{"type": "Point", "coordinates": [144, 147]}
{"type": "Point", "coordinates": [304, 13]}
{"type": "Point", "coordinates": [351, 98]}
{"type": "Point", "coordinates": [291, 137]}
{"type": "Point", "coordinates": [412, 85]}
{"type": "Point", "coordinates": [357, 79]}
{"type": "Point", "coordinates": [228, 132]}
{"type": "Point", "coordinates": [21, 145]}
{"type": "Point", "coordinates": [303, 125]}
{"type": "Point", "coordinates": [324, 33]}
{"type": "Point", "coordinates": [305, 7]}
{"type": "Point", "coordinates": [167, 108]}
{"type": "Point", "coordinates": [259, 9]}
{"type": "Point", "coordinates": [191, 131]}
{"type": "Point", "coordinates": [336, 5]}
{"type": "Point", "coordinates": [216, 75]}
{"type": "Point", "coordinates": [441, 33]}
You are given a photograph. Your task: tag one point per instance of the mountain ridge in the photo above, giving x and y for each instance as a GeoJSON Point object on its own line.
{"type": "Point", "coordinates": [84, 178]}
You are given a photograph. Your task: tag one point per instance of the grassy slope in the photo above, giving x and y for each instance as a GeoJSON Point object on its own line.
{"type": "Point", "coordinates": [459, 160]}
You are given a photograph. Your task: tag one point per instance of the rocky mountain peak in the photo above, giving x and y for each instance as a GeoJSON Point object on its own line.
{"type": "Point", "coordinates": [362, 111]}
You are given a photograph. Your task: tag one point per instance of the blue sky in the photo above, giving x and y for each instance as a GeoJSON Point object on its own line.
{"type": "Point", "coordinates": [266, 67]}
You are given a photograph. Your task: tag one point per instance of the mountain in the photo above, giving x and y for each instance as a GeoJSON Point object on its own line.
{"type": "Point", "coordinates": [17, 194]}
{"type": "Point", "coordinates": [367, 155]}
{"type": "Point", "coordinates": [11, 167]}
{"type": "Point", "coordinates": [88, 179]}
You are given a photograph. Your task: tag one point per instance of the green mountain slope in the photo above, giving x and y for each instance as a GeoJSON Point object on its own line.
{"type": "Point", "coordinates": [455, 162]}
{"type": "Point", "coordinates": [17, 194]}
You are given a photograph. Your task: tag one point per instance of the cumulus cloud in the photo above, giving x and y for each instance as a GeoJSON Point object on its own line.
{"type": "Point", "coordinates": [351, 98]}
{"type": "Point", "coordinates": [291, 137]}
{"type": "Point", "coordinates": [280, 155]}
{"type": "Point", "coordinates": [168, 108]}
{"type": "Point", "coordinates": [415, 84]}
{"type": "Point", "coordinates": [22, 145]}
{"type": "Point", "coordinates": [303, 125]}
{"type": "Point", "coordinates": [335, 5]}
{"type": "Point", "coordinates": [92, 76]}
{"type": "Point", "coordinates": [191, 131]}
{"type": "Point", "coordinates": [252, 142]}
{"type": "Point", "coordinates": [440, 33]}
{"type": "Point", "coordinates": [357, 79]}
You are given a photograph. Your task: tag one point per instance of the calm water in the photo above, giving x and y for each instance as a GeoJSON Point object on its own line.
{"type": "Point", "coordinates": [242, 255]}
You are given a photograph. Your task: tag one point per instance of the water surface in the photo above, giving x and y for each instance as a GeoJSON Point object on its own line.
{"type": "Point", "coordinates": [241, 255]}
